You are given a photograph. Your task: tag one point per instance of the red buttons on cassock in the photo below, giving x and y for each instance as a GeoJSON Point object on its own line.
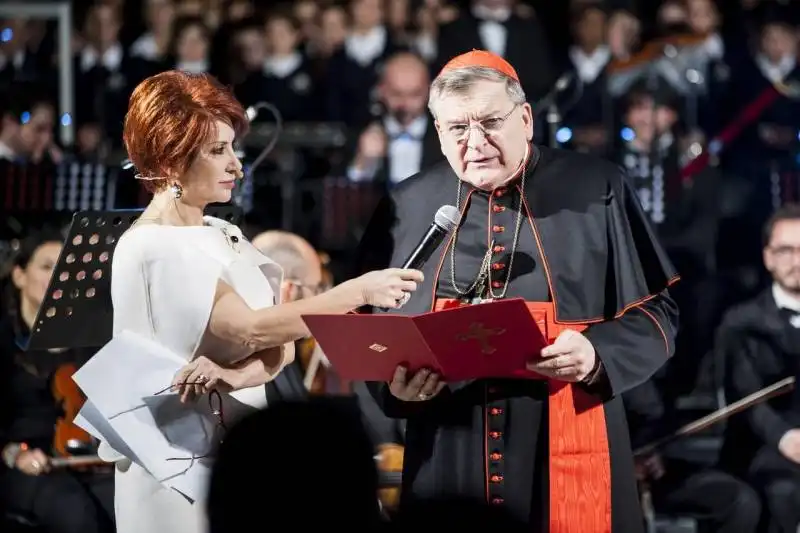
{"type": "Point", "coordinates": [498, 229]}
{"type": "Point", "coordinates": [495, 456]}
{"type": "Point", "coordinates": [494, 411]}
{"type": "Point", "coordinates": [497, 285]}
{"type": "Point", "coordinates": [496, 478]}
{"type": "Point", "coordinates": [498, 249]}
{"type": "Point", "coordinates": [497, 501]}
{"type": "Point", "coordinates": [498, 208]}
{"type": "Point", "coordinates": [495, 435]}
{"type": "Point", "coordinates": [499, 192]}
{"type": "Point", "coordinates": [498, 266]}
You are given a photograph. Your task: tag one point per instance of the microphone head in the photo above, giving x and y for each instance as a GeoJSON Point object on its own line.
{"type": "Point", "coordinates": [447, 218]}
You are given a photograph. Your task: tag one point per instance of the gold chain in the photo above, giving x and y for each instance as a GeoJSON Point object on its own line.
{"type": "Point", "coordinates": [485, 268]}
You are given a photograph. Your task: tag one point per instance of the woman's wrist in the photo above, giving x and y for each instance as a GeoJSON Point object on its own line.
{"type": "Point", "coordinates": [349, 293]}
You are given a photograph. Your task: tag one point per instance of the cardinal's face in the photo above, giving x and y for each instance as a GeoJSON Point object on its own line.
{"type": "Point", "coordinates": [484, 134]}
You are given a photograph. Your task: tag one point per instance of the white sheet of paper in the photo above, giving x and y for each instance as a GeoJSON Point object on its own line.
{"type": "Point", "coordinates": [91, 420]}
{"type": "Point", "coordinates": [122, 381]}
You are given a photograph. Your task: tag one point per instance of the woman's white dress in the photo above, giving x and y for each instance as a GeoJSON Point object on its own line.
{"type": "Point", "coordinates": [163, 282]}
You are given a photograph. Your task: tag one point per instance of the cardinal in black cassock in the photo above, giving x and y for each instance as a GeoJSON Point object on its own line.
{"type": "Point", "coordinates": [566, 233]}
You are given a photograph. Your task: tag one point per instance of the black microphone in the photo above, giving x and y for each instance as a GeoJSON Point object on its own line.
{"type": "Point", "coordinates": [445, 221]}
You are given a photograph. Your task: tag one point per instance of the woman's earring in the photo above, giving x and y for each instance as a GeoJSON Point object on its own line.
{"type": "Point", "coordinates": [177, 190]}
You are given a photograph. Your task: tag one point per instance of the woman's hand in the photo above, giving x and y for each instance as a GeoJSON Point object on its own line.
{"type": "Point", "coordinates": [33, 462]}
{"type": "Point", "coordinates": [389, 289]}
{"type": "Point", "coordinates": [201, 376]}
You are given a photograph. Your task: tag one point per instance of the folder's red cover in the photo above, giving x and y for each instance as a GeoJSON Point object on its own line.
{"type": "Point", "coordinates": [487, 340]}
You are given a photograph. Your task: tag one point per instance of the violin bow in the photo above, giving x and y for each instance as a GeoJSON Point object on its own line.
{"type": "Point", "coordinates": [776, 389]}
{"type": "Point", "coordinates": [313, 367]}
{"type": "Point", "coordinates": [78, 460]}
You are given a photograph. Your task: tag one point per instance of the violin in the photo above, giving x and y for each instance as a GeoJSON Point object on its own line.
{"type": "Point", "coordinates": [390, 467]}
{"type": "Point", "coordinates": [654, 50]}
{"type": "Point", "coordinates": [67, 394]}
{"type": "Point", "coordinates": [313, 373]}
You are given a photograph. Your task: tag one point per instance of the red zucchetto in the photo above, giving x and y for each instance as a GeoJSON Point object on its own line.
{"type": "Point", "coordinates": [481, 58]}
{"type": "Point", "coordinates": [170, 117]}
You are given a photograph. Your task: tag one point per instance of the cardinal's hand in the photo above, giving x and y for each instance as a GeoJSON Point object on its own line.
{"type": "Point", "coordinates": [570, 358]}
{"type": "Point", "coordinates": [423, 385]}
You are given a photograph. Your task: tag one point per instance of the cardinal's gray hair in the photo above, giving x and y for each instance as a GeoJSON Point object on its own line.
{"type": "Point", "coordinates": [459, 81]}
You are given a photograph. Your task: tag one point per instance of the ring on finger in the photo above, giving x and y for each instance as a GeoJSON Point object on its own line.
{"type": "Point", "coordinates": [403, 300]}
{"type": "Point", "coordinates": [202, 378]}
{"type": "Point", "coordinates": [422, 396]}
{"type": "Point", "coordinates": [36, 465]}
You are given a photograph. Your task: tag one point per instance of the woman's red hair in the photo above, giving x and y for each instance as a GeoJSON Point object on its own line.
{"type": "Point", "coordinates": [171, 116]}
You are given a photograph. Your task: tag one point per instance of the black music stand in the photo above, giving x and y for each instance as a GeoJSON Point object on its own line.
{"type": "Point", "coordinates": [76, 311]}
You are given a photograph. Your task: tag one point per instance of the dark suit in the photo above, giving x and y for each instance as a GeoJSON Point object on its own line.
{"type": "Point", "coordinates": [349, 86]}
{"type": "Point", "coordinates": [760, 347]}
{"type": "Point", "coordinates": [431, 154]}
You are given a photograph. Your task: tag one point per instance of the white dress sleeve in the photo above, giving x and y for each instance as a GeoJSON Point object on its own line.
{"type": "Point", "coordinates": [173, 296]}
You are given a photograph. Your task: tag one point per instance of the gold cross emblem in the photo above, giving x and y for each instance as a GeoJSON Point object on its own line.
{"type": "Point", "coordinates": [477, 331]}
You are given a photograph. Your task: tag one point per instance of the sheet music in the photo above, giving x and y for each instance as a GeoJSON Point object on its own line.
{"type": "Point", "coordinates": [165, 437]}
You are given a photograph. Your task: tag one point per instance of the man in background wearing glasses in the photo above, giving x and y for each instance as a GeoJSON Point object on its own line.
{"type": "Point", "coordinates": [564, 231]}
{"type": "Point", "coordinates": [302, 278]}
{"type": "Point", "coordinates": [759, 343]}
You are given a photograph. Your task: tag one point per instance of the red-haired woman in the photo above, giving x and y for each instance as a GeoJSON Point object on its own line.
{"type": "Point", "coordinates": [195, 285]}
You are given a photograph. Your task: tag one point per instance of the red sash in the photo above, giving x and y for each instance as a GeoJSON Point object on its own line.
{"type": "Point", "coordinates": [580, 466]}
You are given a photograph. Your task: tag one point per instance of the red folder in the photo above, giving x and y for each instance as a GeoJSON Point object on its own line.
{"type": "Point", "coordinates": [487, 340]}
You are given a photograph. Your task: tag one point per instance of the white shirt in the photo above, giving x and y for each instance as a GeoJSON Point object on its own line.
{"type": "Point", "coordinates": [6, 152]}
{"type": "Point", "coordinates": [281, 67]}
{"type": "Point", "coordinates": [784, 300]}
{"type": "Point", "coordinates": [17, 60]}
{"type": "Point", "coordinates": [775, 72]}
{"type": "Point", "coordinates": [366, 48]}
{"type": "Point", "coordinates": [491, 29]}
{"type": "Point", "coordinates": [589, 66]}
{"type": "Point", "coordinates": [404, 151]}
{"type": "Point", "coordinates": [146, 47]}
{"type": "Point", "coordinates": [193, 67]}
{"type": "Point", "coordinates": [111, 59]}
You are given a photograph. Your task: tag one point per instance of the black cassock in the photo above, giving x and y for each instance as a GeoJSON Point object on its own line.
{"type": "Point", "coordinates": [586, 242]}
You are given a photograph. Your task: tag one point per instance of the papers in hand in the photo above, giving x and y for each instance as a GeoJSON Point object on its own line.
{"type": "Point", "coordinates": [126, 409]}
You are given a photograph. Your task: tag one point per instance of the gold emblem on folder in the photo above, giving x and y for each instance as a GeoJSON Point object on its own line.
{"type": "Point", "coordinates": [477, 331]}
{"type": "Point", "coordinates": [378, 347]}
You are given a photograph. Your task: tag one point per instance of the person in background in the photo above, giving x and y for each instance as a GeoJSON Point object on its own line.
{"type": "Point", "coordinates": [759, 343]}
{"type": "Point", "coordinates": [59, 500]}
{"type": "Point", "coordinates": [310, 373]}
{"type": "Point", "coordinates": [284, 78]}
{"type": "Point", "coordinates": [190, 45]}
{"type": "Point", "coordinates": [354, 69]}
{"type": "Point", "coordinates": [494, 25]}
{"type": "Point", "coordinates": [403, 140]}
{"type": "Point", "coordinates": [591, 116]}
{"type": "Point", "coordinates": [28, 120]}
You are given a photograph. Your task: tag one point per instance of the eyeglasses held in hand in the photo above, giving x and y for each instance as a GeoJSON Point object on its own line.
{"type": "Point", "coordinates": [216, 406]}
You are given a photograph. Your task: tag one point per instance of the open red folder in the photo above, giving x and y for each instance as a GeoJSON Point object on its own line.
{"type": "Point", "coordinates": [487, 340]}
